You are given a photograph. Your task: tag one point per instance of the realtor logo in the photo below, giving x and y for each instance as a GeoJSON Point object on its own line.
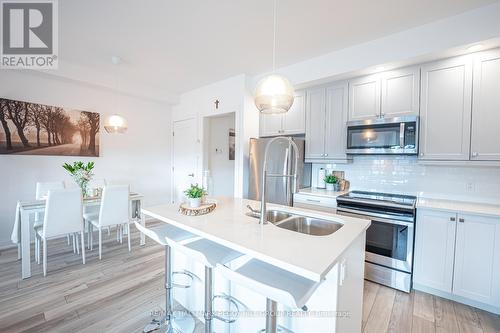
{"type": "Point", "coordinates": [29, 34]}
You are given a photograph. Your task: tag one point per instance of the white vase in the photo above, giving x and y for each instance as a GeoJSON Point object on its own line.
{"type": "Point", "coordinates": [194, 202]}
{"type": "Point", "coordinates": [330, 187]}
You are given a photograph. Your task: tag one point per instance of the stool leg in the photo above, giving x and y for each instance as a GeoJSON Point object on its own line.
{"type": "Point", "coordinates": [209, 295]}
{"type": "Point", "coordinates": [169, 297]}
{"type": "Point", "coordinates": [271, 322]}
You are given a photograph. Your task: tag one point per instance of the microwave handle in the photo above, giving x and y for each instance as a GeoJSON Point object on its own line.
{"type": "Point", "coordinates": [402, 134]}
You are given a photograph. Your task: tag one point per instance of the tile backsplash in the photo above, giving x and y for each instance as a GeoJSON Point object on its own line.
{"type": "Point", "coordinates": [403, 174]}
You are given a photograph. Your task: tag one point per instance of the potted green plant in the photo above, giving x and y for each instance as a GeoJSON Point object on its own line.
{"type": "Point", "coordinates": [330, 181]}
{"type": "Point", "coordinates": [194, 194]}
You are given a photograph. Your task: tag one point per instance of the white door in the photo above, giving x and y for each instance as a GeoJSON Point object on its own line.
{"type": "Point", "coordinates": [400, 92]}
{"type": "Point", "coordinates": [486, 107]}
{"type": "Point", "coordinates": [434, 249]}
{"type": "Point", "coordinates": [336, 118]}
{"type": "Point", "coordinates": [185, 156]}
{"type": "Point", "coordinates": [271, 124]}
{"type": "Point", "coordinates": [315, 124]}
{"type": "Point", "coordinates": [445, 115]}
{"type": "Point", "coordinates": [294, 121]}
{"type": "Point", "coordinates": [477, 259]}
{"type": "Point", "coordinates": [364, 98]}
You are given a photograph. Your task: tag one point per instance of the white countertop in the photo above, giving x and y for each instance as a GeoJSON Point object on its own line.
{"type": "Point", "coordinates": [426, 201]}
{"type": "Point", "coordinates": [309, 256]}
{"type": "Point", "coordinates": [459, 206]}
{"type": "Point", "coordinates": [321, 192]}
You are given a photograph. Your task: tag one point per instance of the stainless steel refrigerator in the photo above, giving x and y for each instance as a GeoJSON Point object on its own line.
{"type": "Point", "coordinates": [280, 161]}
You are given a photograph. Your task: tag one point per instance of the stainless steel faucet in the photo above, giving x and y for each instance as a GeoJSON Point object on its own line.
{"type": "Point", "coordinates": [293, 176]}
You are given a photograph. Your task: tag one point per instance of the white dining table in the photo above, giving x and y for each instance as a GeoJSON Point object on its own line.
{"type": "Point", "coordinates": [21, 233]}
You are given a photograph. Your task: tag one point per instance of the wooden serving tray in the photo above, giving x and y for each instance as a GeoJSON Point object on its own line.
{"type": "Point", "coordinates": [205, 208]}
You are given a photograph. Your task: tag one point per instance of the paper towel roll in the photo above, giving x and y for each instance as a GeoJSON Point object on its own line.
{"type": "Point", "coordinates": [321, 178]}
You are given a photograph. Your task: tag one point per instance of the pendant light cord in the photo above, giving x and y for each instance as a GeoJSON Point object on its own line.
{"type": "Point", "coordinates": [274, 36]}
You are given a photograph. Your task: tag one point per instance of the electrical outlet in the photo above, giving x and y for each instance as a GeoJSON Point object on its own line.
{"type": "Point", "coordinates": [470, 187]}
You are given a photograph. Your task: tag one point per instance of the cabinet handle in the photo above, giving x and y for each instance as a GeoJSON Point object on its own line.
{"type": "Point", "coordinates": [475, 154]}
{"type": "Point", "coordinates": [326, 154]}
{"type": "Point", "coordinates": [382, 115]}
{"type": "Point", "coordinates": [421, 154]}
{"type": "Point", "coordinates": [452, 219]}
{"type": "Point", "coordinates": [461, 220]}
{"type": "Point", "coordinates": [191, 175]}
{"type": "Point", "coordinates": [311, 200]}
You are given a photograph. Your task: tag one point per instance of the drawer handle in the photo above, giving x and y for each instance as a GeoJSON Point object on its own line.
{"type": "Point", "coordinates": [461, 220]}
{"type": "Point", "coordinates": [311, 200]}
{"type": "Point", "coordinates": [452, 219]}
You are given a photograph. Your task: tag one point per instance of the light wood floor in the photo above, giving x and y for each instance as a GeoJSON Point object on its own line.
{"type": "Point", "coordinates": [118, 293]}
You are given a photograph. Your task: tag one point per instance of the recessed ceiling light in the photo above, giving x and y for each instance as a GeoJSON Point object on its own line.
{"type": "Point", "coordinates": [474, 48]}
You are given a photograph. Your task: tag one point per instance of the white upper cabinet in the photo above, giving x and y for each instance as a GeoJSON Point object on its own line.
{"type": "Point", "coordinates": [315, 123]}
{"type": "Point", "coordinates": [434, 249]}
{"type": "Point", "coordinates": [445, 112]}
{"type": "Point", "coordinates": [364, 98]}
{"type": "Point", "coordinates": [336, 118]}
{"type": "Point", "coordinates": [294, 121]}
{"type": "Point", "coordinates": [270, 124]}
{"type": "Point", "coordinates": [477, 259]}
{"type": "Point", "coordinates": [485, 144]}
{"type": "Point", "coordinates": [400, 92]}
{"type": "Point", "coordinates": [289, 123]}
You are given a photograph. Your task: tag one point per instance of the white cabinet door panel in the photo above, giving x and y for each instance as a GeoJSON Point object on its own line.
{"type": "Point", "coordinates": [294, 121]}
{"type": "Point", "coordinates": [315, 123]}
{"type": "Point", "coordinates": [271, 124]}
{"type": "Point", "coordinates": [434, 249]}
{"type": "Point", "coordinates": [400, 92]}
{"type": "Point", "coordinates": [477, 259]}
{"type": "Point", "coordinates": [486, 107]}
{"type": "Point", "coordinates": [364, 98]}
{"type": "Point", "coordinates": [336, 118]}
{"type": "Point", "coordinates": [445, 113]}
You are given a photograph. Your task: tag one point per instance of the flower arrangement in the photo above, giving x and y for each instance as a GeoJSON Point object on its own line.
{"type": "Point", "coordinates": [81, 173]}
{"type": "Point", "coordinates": [195, 193]}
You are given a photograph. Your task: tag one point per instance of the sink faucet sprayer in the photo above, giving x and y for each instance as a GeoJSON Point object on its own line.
{"type": "Point", "coordinates": [293, 176]}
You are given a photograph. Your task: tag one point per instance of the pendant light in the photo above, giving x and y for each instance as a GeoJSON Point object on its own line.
{"type": "Point", "coordinates": [115, 123]}
{"type": "Point", "coordinates": [274, 93]}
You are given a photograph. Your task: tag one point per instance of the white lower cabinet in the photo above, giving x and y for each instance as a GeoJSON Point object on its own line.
{"type": "Point", "coordinates": [435, 249]}
{"type": "Point", "coordinates": [459, 255]}
{"type": "Point", "coordinates": [477, 259]}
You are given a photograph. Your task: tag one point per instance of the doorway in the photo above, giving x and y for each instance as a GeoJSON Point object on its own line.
{"type": "Point", "coordinates": [219, 152]}
{"type": "Point", "coordinates": [185, 157]}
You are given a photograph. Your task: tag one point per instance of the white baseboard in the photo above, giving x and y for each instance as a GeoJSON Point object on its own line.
{"type": "Point", "coordinates": [4, 245]}
{"type": "Point", "coordinates": [459, 299]}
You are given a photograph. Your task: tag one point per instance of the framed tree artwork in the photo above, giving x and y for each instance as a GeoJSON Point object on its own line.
{"type": "Point", "coordinates": [37, 129]}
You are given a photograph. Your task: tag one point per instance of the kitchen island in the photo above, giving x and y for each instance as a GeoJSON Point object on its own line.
{"type": "Point", "coordinates": [336, 260]}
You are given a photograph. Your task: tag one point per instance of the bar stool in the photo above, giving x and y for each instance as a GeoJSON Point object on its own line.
{"type": "Point", "coordinates": [274, 283]}
{"type": "Point", "coordinates": [166, 235]}
{"type": "Point", "coordinates": [210, 254]}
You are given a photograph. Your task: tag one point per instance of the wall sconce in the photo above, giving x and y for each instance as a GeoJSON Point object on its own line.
{"type": "Point", "coordinates": [116, 124]}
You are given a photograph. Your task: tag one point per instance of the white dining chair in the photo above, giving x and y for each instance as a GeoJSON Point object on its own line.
{"type": "Point", "coordinates": [42, 190]}
{"type": "Point", "coordinates": [63, 215]}
{"type": "Point", "coordinates": [94, 209]}
{"type": "Point", "coordinates": [114, 211]}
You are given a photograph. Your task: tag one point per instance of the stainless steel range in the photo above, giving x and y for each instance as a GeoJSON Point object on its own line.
{"type": "Point", "coordinates": [390, 237]}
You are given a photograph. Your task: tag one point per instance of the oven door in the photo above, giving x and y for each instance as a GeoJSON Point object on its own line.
{"type": "Point", "coordinates": [388, 242]}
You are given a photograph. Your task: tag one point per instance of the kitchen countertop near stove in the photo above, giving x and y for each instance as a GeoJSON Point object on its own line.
{"type": "Point", "coordinates": [426, 201]}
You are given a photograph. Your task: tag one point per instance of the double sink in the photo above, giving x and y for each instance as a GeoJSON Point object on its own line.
{"type": "Point", "coordinates": [299, 223]}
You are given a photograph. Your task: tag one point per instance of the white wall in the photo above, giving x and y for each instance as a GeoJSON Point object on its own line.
{"type": "Point", "coordinates": [234, 96]}
{"type": "Point", "coordinates": [220, 166]}
{"type": "Point", "coordinates": [405, 175]}
{"type": "Point", "coordinates": [140, 157]}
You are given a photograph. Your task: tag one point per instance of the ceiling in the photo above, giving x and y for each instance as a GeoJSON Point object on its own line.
{"type": "Point", "coordinates": [174, 46]}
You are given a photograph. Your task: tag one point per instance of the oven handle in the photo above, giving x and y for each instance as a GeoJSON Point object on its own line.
{"type": "Point", "coordinates": [402, 135]}
{"type": "Point", "coordinates": [355, 213]}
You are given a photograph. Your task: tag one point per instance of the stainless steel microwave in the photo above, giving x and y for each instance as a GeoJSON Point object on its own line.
{"type": "Point", "coordinates": [383, 136]}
